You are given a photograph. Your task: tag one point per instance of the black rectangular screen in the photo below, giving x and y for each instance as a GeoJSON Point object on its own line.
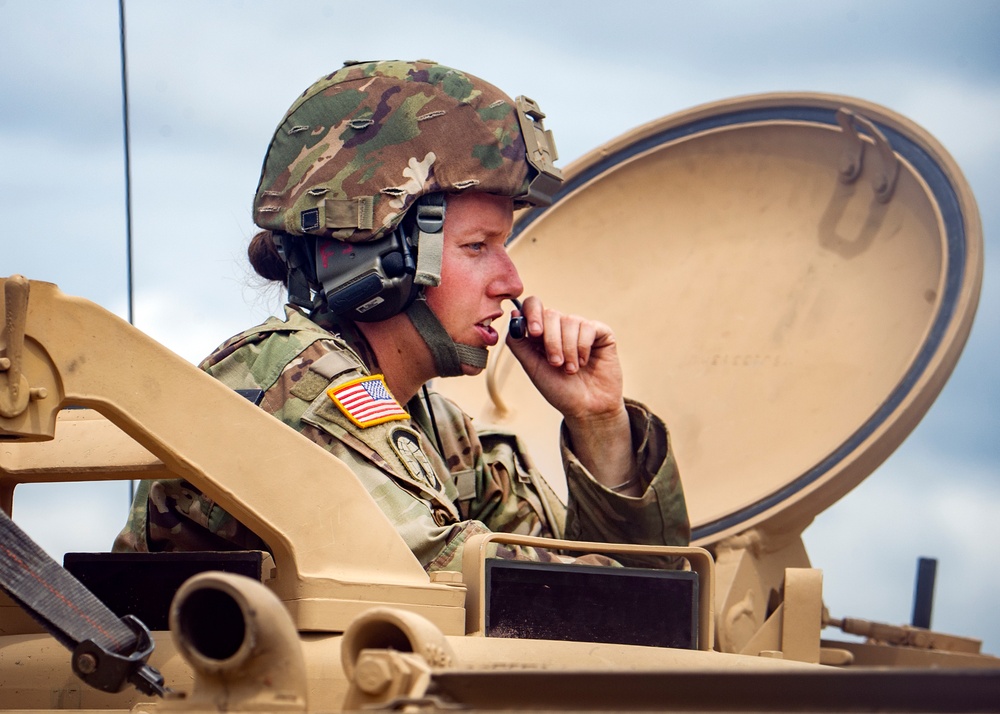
{"type": "Point", "coordinates": [143, 584]}
{"type": "Point", "coordinates": [587, 603]}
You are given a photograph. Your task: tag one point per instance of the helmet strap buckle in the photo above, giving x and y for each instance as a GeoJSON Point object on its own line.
{"type": "Point", "coordinates": [430, 212]}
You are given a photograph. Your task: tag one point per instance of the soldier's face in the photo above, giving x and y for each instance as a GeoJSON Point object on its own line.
{"type": "Point", "coordinates": [477, 275]}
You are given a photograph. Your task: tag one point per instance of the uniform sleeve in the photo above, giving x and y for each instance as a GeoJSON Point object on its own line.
{"type": "Point", "coordinates": [172, 515]}
{"type": "Point", "coordinates": [511, 496]}
{"type": "Point", "coordinates": [657, 517]}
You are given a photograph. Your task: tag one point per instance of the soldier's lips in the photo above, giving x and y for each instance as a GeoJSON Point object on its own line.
{"type": "Point", "coordinates": [488, 335]}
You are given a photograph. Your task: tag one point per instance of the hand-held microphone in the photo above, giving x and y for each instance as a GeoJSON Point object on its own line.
{"type": "Point", "coordinates": [518, 328]}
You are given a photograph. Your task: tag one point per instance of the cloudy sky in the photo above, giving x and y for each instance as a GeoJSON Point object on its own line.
{"type": "Point", "coordinates": [209, 81]}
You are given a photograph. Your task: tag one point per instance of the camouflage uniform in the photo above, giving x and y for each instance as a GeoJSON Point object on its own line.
{"type": "Point", "coordinates": [354, 154]}
{"type": "Point", "coordinates": [483, 481]}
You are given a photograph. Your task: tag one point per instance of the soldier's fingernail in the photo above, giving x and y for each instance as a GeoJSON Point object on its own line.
{"type": "Point", "coordinates": [570, 368]}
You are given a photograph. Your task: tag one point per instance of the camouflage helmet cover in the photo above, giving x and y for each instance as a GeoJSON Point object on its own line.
{"type": "Point", "coordinates": [361, 145]}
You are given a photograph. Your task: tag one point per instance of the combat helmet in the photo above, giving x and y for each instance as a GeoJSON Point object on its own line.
{"type": "Point", "coordinates": [355, 180]}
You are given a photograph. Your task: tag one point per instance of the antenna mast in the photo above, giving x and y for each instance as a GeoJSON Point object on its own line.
{"type": "Point", "coordinates": [128, 185]}
{"type": "Point", "coordinates": [128, 162]}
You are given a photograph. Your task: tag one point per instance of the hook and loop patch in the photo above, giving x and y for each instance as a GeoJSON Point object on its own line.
{"type": "Point", "coordinates": [366, 401]}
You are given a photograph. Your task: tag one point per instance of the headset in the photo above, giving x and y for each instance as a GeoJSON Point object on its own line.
{"type": "Point", "coordinates": [364, 282]}
{"type": "Point", "coordinates": [374, 280]}
{"type": "Point", "coordinates": [370, 281]}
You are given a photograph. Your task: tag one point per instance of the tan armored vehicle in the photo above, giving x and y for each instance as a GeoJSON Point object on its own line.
{"type": "Point", "coordinates": [794, 277]}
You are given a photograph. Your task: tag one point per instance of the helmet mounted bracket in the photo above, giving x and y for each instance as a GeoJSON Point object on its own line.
{"type": "Point", "coordinates": [540, 152]}
{"type": "Point", "coordinates": [297, 254]}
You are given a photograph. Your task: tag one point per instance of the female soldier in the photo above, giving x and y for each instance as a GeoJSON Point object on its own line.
{"type": "Point", "coordinates": [386, 197]}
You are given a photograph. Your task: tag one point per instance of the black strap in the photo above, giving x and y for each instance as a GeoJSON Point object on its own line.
{"type": "Point", "coordinates": [108, 650]}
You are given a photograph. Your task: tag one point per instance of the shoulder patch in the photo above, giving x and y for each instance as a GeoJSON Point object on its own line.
{"type": "Point", "coordinates": [335, 363]}
{"type": "Point", "coordinates": [406, 443]}
{"type": "Point", "coordinates": [366, 401]}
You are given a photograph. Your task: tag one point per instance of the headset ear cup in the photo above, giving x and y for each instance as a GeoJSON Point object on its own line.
{"type": "Point", "coordinates": [366, 282]}
{"type": "Point", "coordinates": [395, 295]}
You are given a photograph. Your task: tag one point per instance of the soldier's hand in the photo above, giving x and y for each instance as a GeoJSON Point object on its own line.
{"type": "Point", "coordinates": [572, 361]}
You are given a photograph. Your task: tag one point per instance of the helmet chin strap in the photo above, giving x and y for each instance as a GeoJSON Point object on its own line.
{"type": "Point", "coordinates": [449, 356]}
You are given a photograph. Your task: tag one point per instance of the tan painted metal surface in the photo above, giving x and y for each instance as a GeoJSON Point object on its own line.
{"type": "Point", "coordinates": [791, 325]}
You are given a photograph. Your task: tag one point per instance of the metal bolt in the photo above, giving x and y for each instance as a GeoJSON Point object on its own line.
{"type": "Point", "coordinates": [372, 675]}
{"type": "Point", "coordinates": [86, 663]}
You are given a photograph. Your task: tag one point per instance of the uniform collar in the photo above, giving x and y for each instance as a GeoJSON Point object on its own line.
{"type": "Point", "coordinates": [346, 330]}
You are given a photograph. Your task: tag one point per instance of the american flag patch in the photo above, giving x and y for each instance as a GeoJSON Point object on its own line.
{"type": "Point", "coordinates": [367, 401]}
